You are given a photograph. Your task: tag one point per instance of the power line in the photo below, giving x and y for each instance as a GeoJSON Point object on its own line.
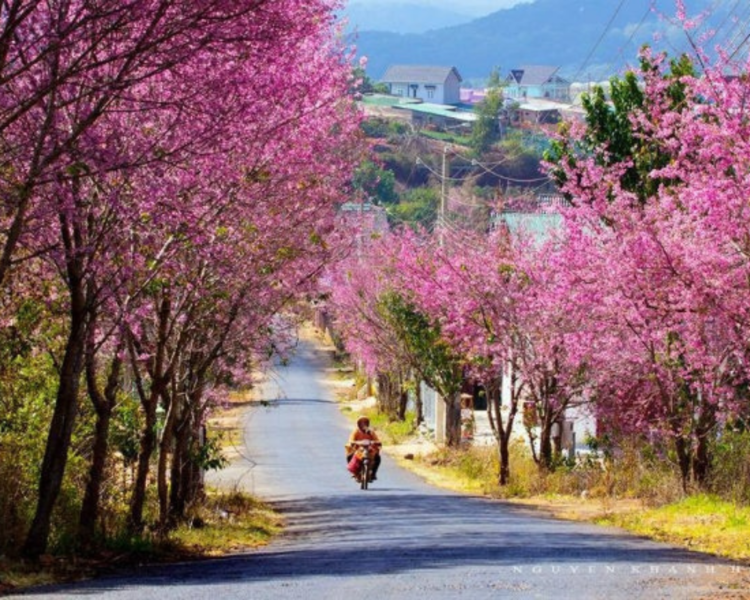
{"type": "Point", "coordinates": [631, 38]}
{"type": "Point", "coordinates": [740, 30]}
{"type": "Point", "coordinates": [486, 169]}
{"type": "Point", "coordinates": [435, 173]}
{"type": "Point", "coordinates": [736, 19]}
{"type": "Point", "coordinates": [600, 40]}
{"type": "Point", "coordinates": [509, 179]}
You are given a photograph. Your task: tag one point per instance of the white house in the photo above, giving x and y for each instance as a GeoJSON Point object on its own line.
{"type": "Point", "coordinates": [438, 85]}
{"type": "Point", "coordinates": [534, 81]}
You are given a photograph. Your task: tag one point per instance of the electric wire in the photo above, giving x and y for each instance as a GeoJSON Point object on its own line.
{"type": "Point", "coordinates": [436, 174]}
{"type": "Point", "coordinates": [630, 39]}
{"type": "Point", "coordinates": [736, 27]}
{"type": "Point", "coordinates": [600, 40]}
{"type": "Point", "coordinates": [719, 27]}
{"type": "Point", "coordinates": [511, 179]}
{"type": "Point", "coordinates": [740, 29]}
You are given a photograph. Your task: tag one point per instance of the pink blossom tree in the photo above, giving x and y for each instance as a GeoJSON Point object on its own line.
{"type": "Point", "coordinates": [193, 199]}
{"type": "Point", "coordinates": [660, 259]}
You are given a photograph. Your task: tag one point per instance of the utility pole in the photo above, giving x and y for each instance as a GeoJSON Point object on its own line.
{"type": "Point", "coordinates": [443, 180]}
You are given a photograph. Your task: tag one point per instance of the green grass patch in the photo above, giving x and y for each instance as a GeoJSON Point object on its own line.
{"type": "Point", "coordinates": [446, 137]}
{"type": "Point", "coordinates": [700, 522]}
{"type": "Point", "coordinates": [391, 432]}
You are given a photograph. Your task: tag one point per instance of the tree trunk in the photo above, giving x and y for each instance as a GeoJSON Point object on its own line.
{"type": "Point", "coordinates": [187, 479]}
{"type": "Point", "coordinates": [682, 448]}
{"type": "Point", "coordinates": [545, 444]}
{"type": "Point", "coordinates": [61, 428]}
{"type": "Point", "coordinates": [90, 505]}
{"type": "Point", "coordinates": [453, 419]}
{"type": "Point", "coordinates": [66, 404]}
{"type": "Point", "coordinates": [403, 401]}
{"type": "Point", "coordinates": [702, 458]}
{"type": "Point", "coordinates": [388, 398]}
{"type": "Point", "coordinates": [193, 472]}
{"type": "Point", "coordinates": [504, 449]}
{"type": "Point", "coordinates": [165, 444]}
{"type": "Point", "coordinates": [500, 430]}
{"type": "Point", "coordinates": [147, 445]}
{"type": "Point", "coordinates": [418, 404]}
{"type": "Point", "coordinates": [160, 378]}
{"type": "Point", "coordinates": [104, 404]}
{"type": "Point", "coordinates": [702, 461]}
{"type": "Point", "coordinates": [178, 495]}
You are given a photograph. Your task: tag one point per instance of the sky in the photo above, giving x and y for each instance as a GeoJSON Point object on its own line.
{"type": "Point", "coordinates": [471, 7]}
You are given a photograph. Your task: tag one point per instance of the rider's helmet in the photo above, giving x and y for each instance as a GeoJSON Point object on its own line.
{"type": "Point", "coordinates": [363, 422]}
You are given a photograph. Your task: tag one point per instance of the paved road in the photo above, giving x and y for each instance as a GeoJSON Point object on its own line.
{"type": "Point", "coordinates": [401, 539]}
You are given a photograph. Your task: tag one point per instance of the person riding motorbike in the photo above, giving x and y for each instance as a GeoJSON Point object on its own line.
{"type": "Point", "coordinates": [363, 432]}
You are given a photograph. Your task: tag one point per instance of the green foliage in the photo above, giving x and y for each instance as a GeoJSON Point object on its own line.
{"type": "Point", "coordinates": [363, 83]}
{"type": "Point", "coordinates": [517, 157]}
{"type": "Point", "coordinates": [208, 456]}
{"type": "Point", "coordinates": [126, 429]}
{"type": "Point", "coordinates": [518, 143]}
{"type": "Point", "coordinates": [432, 356]}
{"type": "Point", "coordinates": [403, 165]}
{"type": "Point", "coordinates": [486, 129]}
{"type": "Point", "coordinates": [702, 522]}
{"type": "Point", "coordinates": [418, 207]}
{"type": "Point", "coordinates": [390, 431]}
{"type": "Point", "coordinates": [375, 183]}
{"type": "Point", "coordinates": [383, 128]}
{"type": "Point", "coordinates": [450, 138]}
{"type": "Point", "coordinates": [612, 138]}
{"type": "Point", "coordinates": [730, 474]}
{"type": "Point", "coordinates": [28, 384]}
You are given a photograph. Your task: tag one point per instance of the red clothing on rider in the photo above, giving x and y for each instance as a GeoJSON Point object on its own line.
{"type": "Point", "coordinates": [363, 432]}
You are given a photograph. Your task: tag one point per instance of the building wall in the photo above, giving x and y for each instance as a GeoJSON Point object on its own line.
{"type": "Point", "coordinates": [452, 94]}
{"type": "Point", "coordinates": [548, 91]}
{"type": "Point", "coordinates": [429, 93]}
{"type": "Point", "coordinates": [448, 92]}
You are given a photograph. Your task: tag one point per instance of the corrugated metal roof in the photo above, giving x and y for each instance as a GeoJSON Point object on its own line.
{"type": "Point", "coordinates": [538, 105]}
{"type": "Point", "coordinates": [418, 74]}
{"type": "Point", "coordinates": [383, 100]}
{"type": "Point", "coordinates": [441, 110]}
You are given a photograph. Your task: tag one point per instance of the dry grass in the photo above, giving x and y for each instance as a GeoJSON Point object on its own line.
{"type": "Point", "coordinates": [225, 524]}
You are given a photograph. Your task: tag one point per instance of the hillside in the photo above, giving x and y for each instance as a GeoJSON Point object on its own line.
{"type": "Point", "coordinates": [570, 33]}
{"type": "Point", "coordinates": [401, 18]}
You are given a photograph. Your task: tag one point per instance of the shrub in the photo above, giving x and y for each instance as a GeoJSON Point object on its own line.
{"type": "Point", "coordinates": [731, 469]}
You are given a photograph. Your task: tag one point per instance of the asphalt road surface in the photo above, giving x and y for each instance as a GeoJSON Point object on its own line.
{"type": "Point", "coordinates": [401, 539]}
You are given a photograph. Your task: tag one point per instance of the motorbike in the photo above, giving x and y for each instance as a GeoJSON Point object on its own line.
{"type": "Point", "coordinates": [361, 463]}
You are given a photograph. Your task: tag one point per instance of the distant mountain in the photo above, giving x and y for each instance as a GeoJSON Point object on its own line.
{"type": "Point", "coordinates": [401, 18]}
{"type": "Point", "coordinates": [589, 39]}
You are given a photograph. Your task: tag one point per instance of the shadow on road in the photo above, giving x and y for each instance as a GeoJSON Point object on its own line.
{"type": "Point", "coordinates": [411, 532]}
